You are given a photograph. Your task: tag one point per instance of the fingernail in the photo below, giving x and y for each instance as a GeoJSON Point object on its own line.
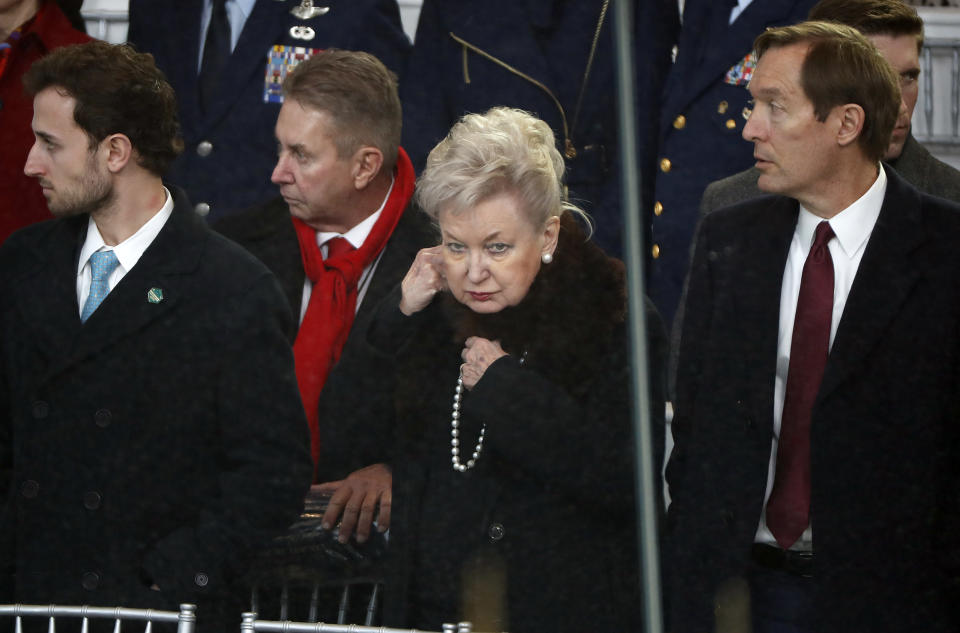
{"type": "Point", "coordinates": [342, 539]}
{"type": "Point", "coordinates": [361, 539]}
{"type": "Point", "coordinates": [325, 525]}
{"type": "Point", "coordinates": [381, 529]}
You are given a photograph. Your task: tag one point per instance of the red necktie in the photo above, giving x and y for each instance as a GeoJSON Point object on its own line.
{"type": "Point", "coordinates": [788, 509]}
{"type": "Point", "coordinates": [337, 246]}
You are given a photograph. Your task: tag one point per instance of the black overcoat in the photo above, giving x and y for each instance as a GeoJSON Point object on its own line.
{"type": "Point", "coordinates": [158, 442]}
{"type": "Point", "coordinates": [885, 442]}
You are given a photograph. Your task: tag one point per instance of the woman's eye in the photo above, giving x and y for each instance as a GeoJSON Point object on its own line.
{"type": "Point", "coordinates": [498, 247]}
{"type": "Point", "coordinates": [455, 247]}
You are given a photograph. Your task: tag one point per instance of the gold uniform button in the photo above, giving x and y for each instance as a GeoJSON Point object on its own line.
{"type": "Point", "coordinates": [657, 208]}
{"type": "Point", "coordinates": [722, 107]}
{"type": "Point", "coordinates": [665, 165]}
{"type": "Point", "coordinates": [731, 124]}
{"type": "Point", "coordinates": [655, 251]}
{"type": "Point", "coordinates": [680, 122]}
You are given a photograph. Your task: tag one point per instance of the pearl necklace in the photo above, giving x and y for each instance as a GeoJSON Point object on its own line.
{"type": "Point", "coordinates": [455, 434]}
{"type": "Point", "coordinates": [455, 428]}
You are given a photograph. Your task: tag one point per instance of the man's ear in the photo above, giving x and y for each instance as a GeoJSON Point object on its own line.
{"type": "Point", "coordinates": [851, 118]}
{"type": "Point", "coordinates": [367, 162]}
{"type": "Point", "coordinates": [118, 150]}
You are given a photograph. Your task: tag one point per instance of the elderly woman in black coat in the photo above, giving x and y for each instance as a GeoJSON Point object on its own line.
{"type": "Point", "coordinates": [508, 399]}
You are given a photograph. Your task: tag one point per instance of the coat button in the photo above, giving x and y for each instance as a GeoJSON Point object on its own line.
{"type": "Point", "coordinates": [680, 122]}
{"type": "Point", "coordinates": [201, 579]}
{"type": "Point", "coordinates": [657, 208]}
{"type": "Point", "coordinates": [749, 423]}
{"type": "Point", "coordinates": [726, 518]}
{"type": "Point", "coordinates": [91, 500]}
{"type": "Point", "coordinates": [30, 489]}
{"type": "Point", "coordinates": [495, 532]}
{"type": "Point", "coordinates": [202, 209]}
{"type": "Point", "coordinates": [40, 410]}
{"type": "Point", "coordinates": [102, 418]}
{"type": "Point", "coordinates": [665, 165]}
{"type": "Point", "coordinates": [90, 580]}
{"type": "Point", "coordinates": [722, 107]}
{"type": "Point", "coordinates": [731, 124]}
{"type": "Point", "coordinates": [655, 251]}
{"type": "Point", "coordinates": [204, 148]}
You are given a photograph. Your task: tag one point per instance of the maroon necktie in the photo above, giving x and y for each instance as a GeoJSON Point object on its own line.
{"type": "Point", "coordinates": [788, 509]}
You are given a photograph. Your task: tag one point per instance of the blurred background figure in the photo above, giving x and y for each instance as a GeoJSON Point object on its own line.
{"type": "Point", "coordinates": [509, 401]}
{"type": "Point", "coordinates": [550, 57]}
{"type": "Point", "coordinates": [29, 29]}
{"type": "Point", "coordinates": [226, 59]}
{"type": "Point", "coordinates": [701, 117]}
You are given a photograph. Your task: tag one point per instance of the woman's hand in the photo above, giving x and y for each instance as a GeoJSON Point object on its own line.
{"type": "Point", "coordinates": [478, 354]}
{"type": "Point", "coordinates": [424, 280]}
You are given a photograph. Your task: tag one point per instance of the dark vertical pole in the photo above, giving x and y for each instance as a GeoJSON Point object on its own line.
{"type": "Point", "coordinates": [647, 483]}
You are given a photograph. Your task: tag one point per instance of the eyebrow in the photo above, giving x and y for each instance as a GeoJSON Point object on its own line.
{"type": "Point", "coordinates": [43, 136]}
{"type": "Point", "coordinates": [769, 92]}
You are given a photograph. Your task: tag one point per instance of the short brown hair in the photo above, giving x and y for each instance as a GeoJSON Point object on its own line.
{"type": "Point", "coordinates": [359, 94]}
{"type": "Point", "coordinates": [842, 66]}
{"type": "Point", "coordinates": [118, 91]}
{"type": "Point", "coordinates": [872, 17]}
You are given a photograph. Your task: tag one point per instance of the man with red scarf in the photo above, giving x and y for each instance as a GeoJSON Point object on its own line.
{"type": "Point", "coordinates": [29, 29]}
{"type": "Point", "coordinates": [339, 237]}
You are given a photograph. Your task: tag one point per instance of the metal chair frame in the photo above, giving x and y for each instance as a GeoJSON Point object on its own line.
{"type": "Point", "coordinates": [250, 624]}
{"type": "Point", "coordinates": [185, 619]}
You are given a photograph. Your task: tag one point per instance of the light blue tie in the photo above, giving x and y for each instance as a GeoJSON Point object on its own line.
{"type": "Point", "coordinates": [102, 263]}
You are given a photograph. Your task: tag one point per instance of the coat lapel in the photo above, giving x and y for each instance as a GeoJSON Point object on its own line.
{"type": "Point", "coordinates": [186, 44]}
{"type": "Point", "coordinates": [128, 308]}
{"type": "Point", "coordinates": [756, 295]}
{"type": "Point", "coordinates": [882, 284]}
{"type": "Point", "coordinates": [264, 27]}
{"type": "Point", "coordinates": [48, 295]}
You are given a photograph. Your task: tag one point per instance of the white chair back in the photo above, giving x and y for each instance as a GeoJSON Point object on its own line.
{"type": "Point", "coordinates": [185, 619]}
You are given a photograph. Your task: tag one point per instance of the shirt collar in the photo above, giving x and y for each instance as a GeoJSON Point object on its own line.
{"type": "Point", "coordinates": [358, 234]}
{"type": "Point", "coordinates": [853, 225]}
{"type": "Point", "coordinates": [130, 250]}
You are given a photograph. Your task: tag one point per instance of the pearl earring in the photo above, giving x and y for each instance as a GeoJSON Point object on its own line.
{"type": "Point", "coordinates": [546, 258]}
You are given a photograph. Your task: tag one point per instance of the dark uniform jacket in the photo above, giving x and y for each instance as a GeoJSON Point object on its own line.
{"type": "Point", "coordinates": [158, 442]}
{"type": "Point", "coordinates": [885, 444]}
{"type": "Point", "coordinates": [701, 120]}
{"type": "Point", "coordinates": [268, 233]}
{"type": "Point", "coordinates": [532, 54]}
{"type": "Point", "coordinates": [541, 532]}
{"type": "Point", "coordinates": [230, 148]}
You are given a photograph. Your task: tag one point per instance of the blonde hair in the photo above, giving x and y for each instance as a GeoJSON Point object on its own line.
{"type": "Point", "coordinates": [504, 150]}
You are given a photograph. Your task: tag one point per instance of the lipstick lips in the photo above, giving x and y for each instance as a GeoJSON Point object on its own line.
{"type": "Point", "coordinates": [480, 296]}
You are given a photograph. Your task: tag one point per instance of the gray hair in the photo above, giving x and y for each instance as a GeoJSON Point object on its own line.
{"type": "Point", "coordinates": [504, 150]}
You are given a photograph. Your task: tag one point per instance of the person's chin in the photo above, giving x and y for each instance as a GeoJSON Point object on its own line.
{"type": "Point", "coordinates": [481, 303]}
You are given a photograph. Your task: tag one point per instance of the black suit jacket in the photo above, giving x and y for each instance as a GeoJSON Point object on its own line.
{"type": "Point", "coordinates": [159, 441]}
{"type": "Point", "coordinates": [267, 232]}
{"type": "Point", "coordinates": [884, 433]}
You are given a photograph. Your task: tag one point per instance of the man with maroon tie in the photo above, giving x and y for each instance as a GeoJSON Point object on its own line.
{"type": "Point", "coordinates": [816, 430]}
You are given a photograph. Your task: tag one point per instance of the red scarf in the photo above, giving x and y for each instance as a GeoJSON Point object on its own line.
{"type": "Point", "coordinates": [333, 298]}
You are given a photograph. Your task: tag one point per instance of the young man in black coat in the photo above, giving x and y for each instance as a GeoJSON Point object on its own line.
{"type": "Point", "coordinates": [150, 427]}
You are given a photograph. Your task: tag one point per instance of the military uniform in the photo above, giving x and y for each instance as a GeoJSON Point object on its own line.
{"type": "Point", "coordinates": [532, 54]}
{"type": "Point", "coordinates": [230, 148]}
{"type": "Point", "coordinates": [701, 121]}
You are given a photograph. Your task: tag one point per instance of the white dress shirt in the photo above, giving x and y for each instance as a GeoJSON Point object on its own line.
{"type": "Point", "coordinates": [128, 252]}
{"type": "Point", "coordinates": [852, 228]}
{"type": "Point", "coordinates": [356, 236]}
{"type": "Point", "coordinates": [737, 10]}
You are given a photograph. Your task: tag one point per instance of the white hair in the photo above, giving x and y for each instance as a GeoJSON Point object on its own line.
{"type": "Point", "coordinates": [504, 150]}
